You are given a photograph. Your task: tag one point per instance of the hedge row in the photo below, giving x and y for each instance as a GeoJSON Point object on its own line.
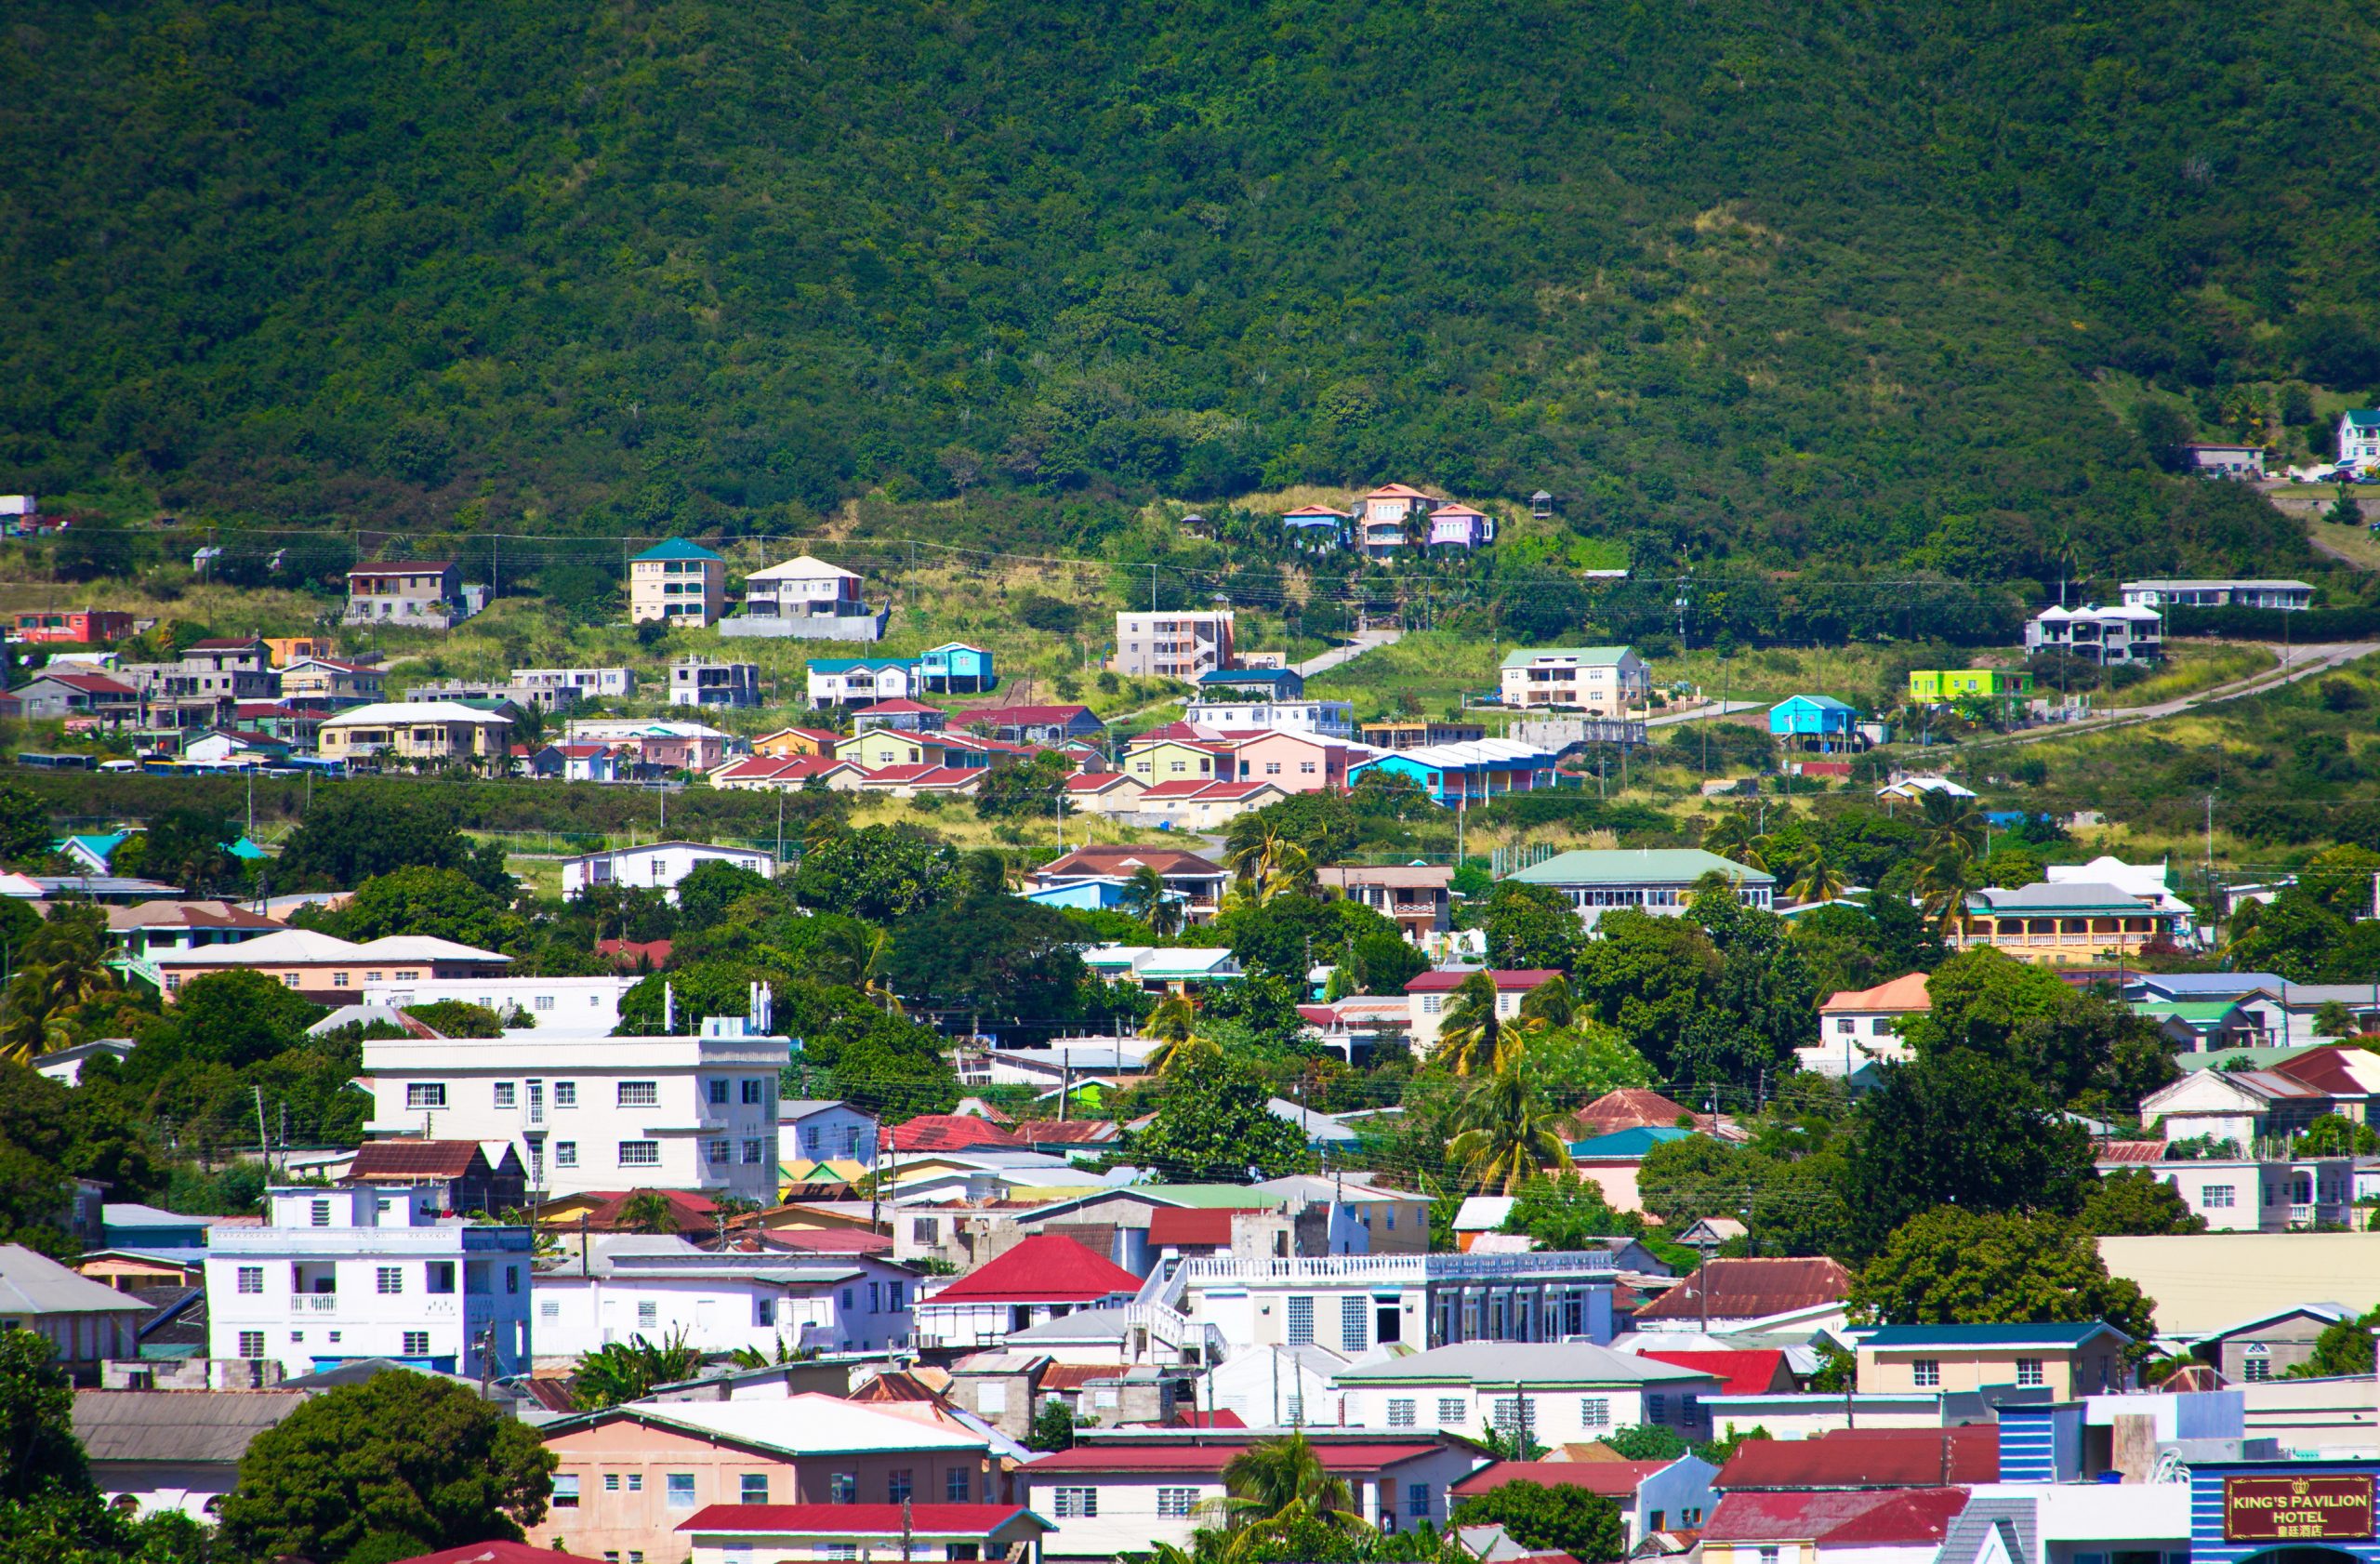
{"type": "Point", "coordinates": [2302, 625]}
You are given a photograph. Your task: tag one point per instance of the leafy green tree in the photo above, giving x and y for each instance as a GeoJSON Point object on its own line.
{"type": "Point", "coordinates": [997, 956]}
{"type": "Point", "coordinates": [1286, 935]}
{"type": "Point", "coordinates": [2343, 1348]}
{"type": "Point", "coordinates": [1383, 962]}
{"type": "Point", "coordinates": [1558, 1519]}
{"type": "Point", "coordinates": [439, 903]}
{"type": "Point", "coordinates": [2335, 1135]}
{"type": "Point", "coordinates": [1962, 1130]}
{"type": "Point", "coordinates": [2080, 1048]}
{"type": "Point", "coordinates": [713, 887]}
{"type": "Point", "coordinates": [1471, 1032]}
{"type": "Point", "coordinates": [1053, 1427]}
{"type": "Point", "coordinates": [2136, 1203]}
{"type": "Point", "coordinates": [1530, 926]}
{"type": "Point", "coordinates": [1212, 1125]}
{"type": "Point", "coordinates": [461, 1018]}
{"type": "Point", "coordinates": [698, 991]}
{"type": "Point", "coordinates": [1565, 1213]}
{"type": "Point", "coordinates": [1646, 1441]}
{"type": "Point", "coordinates": [400, 1455]}
{"type": "Point", "coordinates": [629, 1370]}
{"type": "Point", "coordinates": [1952, 1266]}
{"type": "Point", "coordinates": [1578, 1063]}
{"type": "Point", "coordinates": [877, 872]}
{"type": "Point", "coordinates": [356, 831]}
{"type": "Point", "coordinates": [25, 834]}
{"type": "Point", "coordinates": [185, 848]}
{"type": "Point", "coordinates": [1275, 1480]}
{"type": "Point", "coordinates": [36, 1422]}
{"type": "Point", "coordinates": [1024, 792]}
{"type": "Point", "coordinates": [238, 1018]}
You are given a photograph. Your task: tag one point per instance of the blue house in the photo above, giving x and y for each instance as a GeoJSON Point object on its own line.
{"type": "Point", "coordinates": [1822, 718]}
{"type": "Point", "coordinates": [1257, 684]}
{"type": "Point", "coordinates": [1454, 775]}
{"type": "Point", "coordinates": [956, 666]}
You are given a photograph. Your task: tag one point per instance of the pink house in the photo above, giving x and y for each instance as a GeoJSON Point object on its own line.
{"type": "Point", "coordinates": [1295, 762]}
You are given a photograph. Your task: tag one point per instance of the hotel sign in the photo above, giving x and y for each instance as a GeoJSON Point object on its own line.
{"type": "Point", "coordinates": [2266, 1509]}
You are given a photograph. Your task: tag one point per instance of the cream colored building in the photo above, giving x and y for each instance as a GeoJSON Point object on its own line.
{"type": "Point", "coordinates": [428, 730]}
{"type": "Point", "coordinates": [1600, 681]}
{"type": "Point", "coordinates": [679, 582]}
{"type": "Point", "coordinates": [1183, 645]}
{"type": "Point", "coordinates": [2081, 1359]}
{"type": "Point", "coordinates": [2202, 1284]}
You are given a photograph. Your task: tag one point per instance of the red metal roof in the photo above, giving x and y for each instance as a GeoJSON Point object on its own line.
{"type": "Point", "coordinates": [1045, 1268]}
{"type": "Point", "coordinates": [499, 1552]}
{"type": "Point", "coordinates": [1858, 1458]}
{"type": "Point", "coordinates": [1743, 1374]}
{"type": "Point", "coordinates": [1519, 979]}
{"type": "Point", "coordinates": [89, 683]}
{"type": "Point", "coordinates": [1067, 1131]}
{"type": "Point", "coordinates": [1872, 1517]}
{"type": "Point", "coordinates": [2130, 1151]}
{"type": "Point", "coordinates": [844, 1521]}
{"type": "Point", "coordinates": [950, 1132]}
{"type": "Point", "coordinates": [1124, 860]}
{"type": "Point", "coordinates": [1749, 1289]}
{"type": "Point", "coordinates": [1613, 1479]}
{"type": "Point", "coordinates": [1213, 1454]}
{"type": "Point", "coordinates": [1170, 1227]}
{"type": "Point", "coordinates": [899, 706]}
{"type": "Point", "coordinates": [412, 1159]}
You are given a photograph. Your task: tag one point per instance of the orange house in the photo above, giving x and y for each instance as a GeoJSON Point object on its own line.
{"type": "Point", "coordinates": [785, 743]}
{"type": "Point", "coordinates": [629, 1477]}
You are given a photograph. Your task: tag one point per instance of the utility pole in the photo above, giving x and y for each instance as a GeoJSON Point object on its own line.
{"type": "Point", "coordinates": [264, 1140]}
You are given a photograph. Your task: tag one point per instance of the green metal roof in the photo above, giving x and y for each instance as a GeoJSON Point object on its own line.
{"type": "Point", "coordinates": [2198, 1012]}
{"type": "Point", "coordinates": [1630, 866]}
{"type": "Point", "coordinates": [1592, 656]}
{"type": "Point", "coordinates": [2363, 417]}
{"type": "Point", "coordinates": [677, 549]}
{"type": "Point", "coordinates": [2054, 1333]}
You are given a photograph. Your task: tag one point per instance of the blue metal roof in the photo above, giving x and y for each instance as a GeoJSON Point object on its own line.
{"type": "Point", "coordinates": [2055, 1333]}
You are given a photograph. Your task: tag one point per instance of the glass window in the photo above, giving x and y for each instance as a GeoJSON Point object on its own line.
{"type": "Point", "coordinates": [2029, 1371]}
{"type": "Point", "coordinates": [755, 1090]}
{"type": "Point", "coordinates": [566, 1154]}
{"type": "Point", "coordinates": [640, 1153]}
{"type": "Point", "coordinates": [1926, 1373]}
{"type": "Point", "coordinates": [252, 1344]}
{"type": "Point", "coordinates": [2217, 1197]}
{"type": "Point", "coordinates": [1301, 1322]}
{"type": "Point", "coordinates": [251, 1279]}
{"type": "Point", "coordinates": [954, 1485]}
{"type": "Point", "coordinates": [610, 1483]}
{"type": "Point", "coordinates": [752, 1487]}
{"type": "Point", "coordinates": [719, 1092]}
{"type": "Point", "coordinates": [1352, 1320]}
{"type": "Point", "coordinates": [1176, 1500]}
{"type": "Point", "coordinates": [416, 1343]}
{"type": "Point", "coordinates": [565, 1491]}
{"type": "Point", "coordinates": [681, 1491]}
{"type": "Point", "coordinates": [639, 1093]}
{"type": "Point", "coordinates": [565, 1094]}
{"type": "Point", "coordinates": [1513, 1413]}
{"type": "Point", "coordinates": [636, 1483]}
{"type": "Point", "coordinates": [842, 1488]}
{"type": "Point", "coordinates": [1401, 1413]}
{"type": "Point", "coordinates": [648, 1313]}
{"type": "Point", "coordinates": [1076, 1503]}
{"type": "Point", "coordinates": [1594, 1412]}
{"type": "Point", "coordinates": [388, 1279]}
{"type": "Point", "coordinates": [440, 1276]}
{"type": "Point", "coordinates": [1417, 1501]}
{"type": "Point", "coordinates": [1450, 1411]}
{"type": "Point", "coordinates": [426, 1094]}
{"type": "Point", "coordinates": [1657, 1409]}
{"type": "Point", "coordinates": [899, 1484]}
{"type": "Point", "coordinates": [507, 1094]}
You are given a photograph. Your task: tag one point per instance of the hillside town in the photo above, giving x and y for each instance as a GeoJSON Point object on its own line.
{"type": "Point", "coordinates": [1193, 1183]}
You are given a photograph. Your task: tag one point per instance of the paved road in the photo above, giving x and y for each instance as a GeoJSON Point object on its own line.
{"type": "Point", "coordinates": [1365, 641]}
{"type": "Point", "coordinates": [2298, 663]}
{"type": "Point", "coordinates": [1704, 713]}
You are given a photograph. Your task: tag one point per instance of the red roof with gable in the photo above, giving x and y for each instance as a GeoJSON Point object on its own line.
{"type": "Point", "coordinates": [1396, 491]}
{"type": "Point", "coordinates": [898, 706]}
{"type": "Point", "coordinates": [1749, 1289]}
{"type": "Point", "coordinates": [499, 1552]}
{"type": "Point", "coordinates": [950, 1132]}
{"type": "Point", "coordinates": [1744, 1373]}
{"type": "Point", "coordinates": [1866, 1458]}
{"type": "Point", "coordinates": [89, 683]}
{"type": "Point", "coordinates": [1191, 1228]}
{"type": "Point", "coordinates": [1613, 1479]}
{"type": "Point", "coordinates": [845, 1520]}
{"type": "Point", "coordinates": [1869, 1518]}
{"type": "Point", "coordinates": [1044, 1268]}
{"type": "Point", "coordinates": [1514, 980]}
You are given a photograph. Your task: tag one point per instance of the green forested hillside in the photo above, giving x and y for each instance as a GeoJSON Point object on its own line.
{"type": "Point", "coordinates": [1775, 282]}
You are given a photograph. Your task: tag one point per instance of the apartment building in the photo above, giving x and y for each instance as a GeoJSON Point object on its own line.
{"type": "Point", "coordinates": [1600, 681]}
{"type": "Point", "coordinates": [1419, 897]}
{"type": "Point", "coordinates": [590, 1004]}
{"type": "Point", "coordinates": [1327, 719]}
{"type": "Point", "coordinates": [421, 594]}
{"type": "Point", "coordinates": [590, 1112]}
{"type": "Point", "coordinates": [678, 583]}
{"type": "Point", "coordinates": [435, 730]}
{"type": "Point", "coordinates": [661, 1287]}
{"type": "Point", "coordinates": [1353, 1303]}
{"type": "Point", "coordinates": [579, 684]}
{"type": "Point", "coordinates": [1558, 1391]}
{"type": "Point", "coordinates": [1183, 645]}
{"type": "Point", "coordinates": [707, 682]}
{"type": "Point", "coordinates": [336, 1275]}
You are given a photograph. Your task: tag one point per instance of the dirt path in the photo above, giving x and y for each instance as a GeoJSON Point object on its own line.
{"type": "Point", "coordinates": [2295, 663]}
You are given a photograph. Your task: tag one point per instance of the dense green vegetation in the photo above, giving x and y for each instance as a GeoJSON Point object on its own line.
{"type": "Point", "coordinates": [1765, 283]}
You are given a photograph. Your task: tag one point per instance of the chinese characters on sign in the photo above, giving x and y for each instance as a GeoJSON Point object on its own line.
{"type": "Point", "coordinates": [2331, 1508]}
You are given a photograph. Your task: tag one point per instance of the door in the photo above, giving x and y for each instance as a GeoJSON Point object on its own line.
{"type": "Point", "coordinates": [536, 1102]}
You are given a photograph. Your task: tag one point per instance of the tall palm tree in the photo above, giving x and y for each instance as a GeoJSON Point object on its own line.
{"type": "Point", "coordinates": [1944, 879]}
{"type": "Point", "coordinates": [1510, 1132]}
{"type": "Point", "coordinates": [1471, 1033]}
{"type": "Point", "coordinates": [1265, 864]}
{"type": "Point", "coordinates": [1147, 898]}
{"type": "Point", "coordinates": [1952, 823]}
{"type": "Point", "coordinates": [1816, 878]}
{"type": "Point", "coordinates": [1175, 1026]}
{"type": "Point", "coordinates": [1549, 1007]}
{"type": "Point", "coordinates": [646, 1211]}
{"type": "Point", "coordinates": [627, 1371]}
{"type": "Point", "coordinates": [1274, 1481]}
{"type": "Point", "coordinates": [1735, 837]}
{"type": "Point", "coordinates": [851, 954]}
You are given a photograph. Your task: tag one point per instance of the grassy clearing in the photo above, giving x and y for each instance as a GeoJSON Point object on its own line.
{"type": "Point", "coordinates": [2192, 666]}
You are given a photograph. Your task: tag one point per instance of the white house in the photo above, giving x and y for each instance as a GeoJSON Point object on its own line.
{"type": "Point", "coordinates": [2250, 1195]}
{"type": "Point", "coordinates": [1428, 995]}
{"type": "Point", "coordinates": [335, 1274]}
{"type": "Point", "coordinates": [582, 683]}
{"type": "Point", "coordinates": [2359, 435]}
{"type": "Point", "coordinates": [657, 865]}
{"type": "Point", "coordinates": [1600, 681]}
{"type": "Point", "coordinates": [2241, 1107]}
{"type": "Point", "coordinates": [1277, 1387]}
{"type": "Point", "coordinates": [656, 1287]}
{"type": "Point", "coordinates": [1353, 1303]}
{"type": "Point", "coordinates": [1330, 718]}
{"type": "Point", "coordinates": [824, 1129]}
{"type": "Point", "coordinates": [2108, 636]}
{"type": "Point", "coordinates": [2205, 592]}
{"type": "Point", "coordinates": [589, 1112]}
{"type": "Point", "coordinates": [1563, 1392]}
{"type": "Point", "coordinates": [1859, 1029]}
{"type": "Point", "coordinates": [861, 680]}
{"type": "Point", "coordinates": [1656, 880]}
{"type": "Point", "coordinates": [174, 1452]}
{"type": "Point", "coordinates": [1042, 1279]}
{"type": "Point", "coordinates": [84, 1320]}
{"type": "Point", "coordinates": [576, 1004]}
{"type": "Point", "coordinates": [802, 587]}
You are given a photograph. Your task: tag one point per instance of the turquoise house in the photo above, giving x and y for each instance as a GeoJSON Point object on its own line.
{"type": "Point", "coordinates": [956, 666]}
{"type": "Point", "coordinates": [1822, 719]}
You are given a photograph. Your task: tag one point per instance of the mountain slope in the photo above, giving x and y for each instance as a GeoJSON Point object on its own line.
{"type": "Point", "coordinates": [1822, 282]}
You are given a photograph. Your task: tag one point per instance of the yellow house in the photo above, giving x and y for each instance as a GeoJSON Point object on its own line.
{"type": "Point", "coordinates": [879, 747]}
{"type": "Point", "coordinates": [423, 730]}
{"type": "Point", "coordinates": [1931, 686]}
{"type": "Point", "coordinates": [287, 649]}
{"type": "Point", "coordinates": [2061, 924]}
{"type": "Point", "coordinates": [788, 742]}
{"type": "Point", "coordinates": [2067, 1359]}
{"type": "Point", "coordinates": [1181, 759]}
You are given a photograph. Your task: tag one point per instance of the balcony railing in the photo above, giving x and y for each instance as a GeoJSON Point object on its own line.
{"type": "Point", "coordinates": [1408, 1267]}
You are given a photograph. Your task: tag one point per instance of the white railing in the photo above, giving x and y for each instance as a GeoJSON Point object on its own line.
{"type": "Point", "coordinates": [320, 1303]}
{"type": "Point", "coordinates": [1411, 1267]}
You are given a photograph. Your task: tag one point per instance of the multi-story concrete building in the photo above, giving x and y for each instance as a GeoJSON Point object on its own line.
{"type": "Point", "coordinates": [2105, 636]}
{"type": "Point", "coordinates": [1328, 718]}
{"type": "Point", "coordinates": [2203, 592]}
{"type": "Point", "coordinates": [422, 594]}
{"type": "Point", "coordinates": [336, 1275]}
{"type": "Point", "coordinates": [575, 1004]}
{"type": "Point", "coordinates": [1353, 1303]}
{"type": "Point", "coordinates": [1418, 897]}
{"type": "Point", "coordinates": [437, 730]}
{"type": "Point", "coordinates": [1183, 645]}
{"type": "Point", "coordinates": [591, 1112]}
{"type": "Point", "coordinates": [1564, 1391]}
{"type": "Point", "coordinates": [805, 598]}
{"type": "Point", "coordinates": [1600, 681]}
{"type": "Point", "coordinates": [579, 684]}
{"type": "Point", "coordinates": [331, 681]}
{"type": "Point", "coordinates": [678, 583]}
{"type": "Point", "coordinates": [658, 1287]}
{"type": "Point", "coordinates": [704, 681]}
